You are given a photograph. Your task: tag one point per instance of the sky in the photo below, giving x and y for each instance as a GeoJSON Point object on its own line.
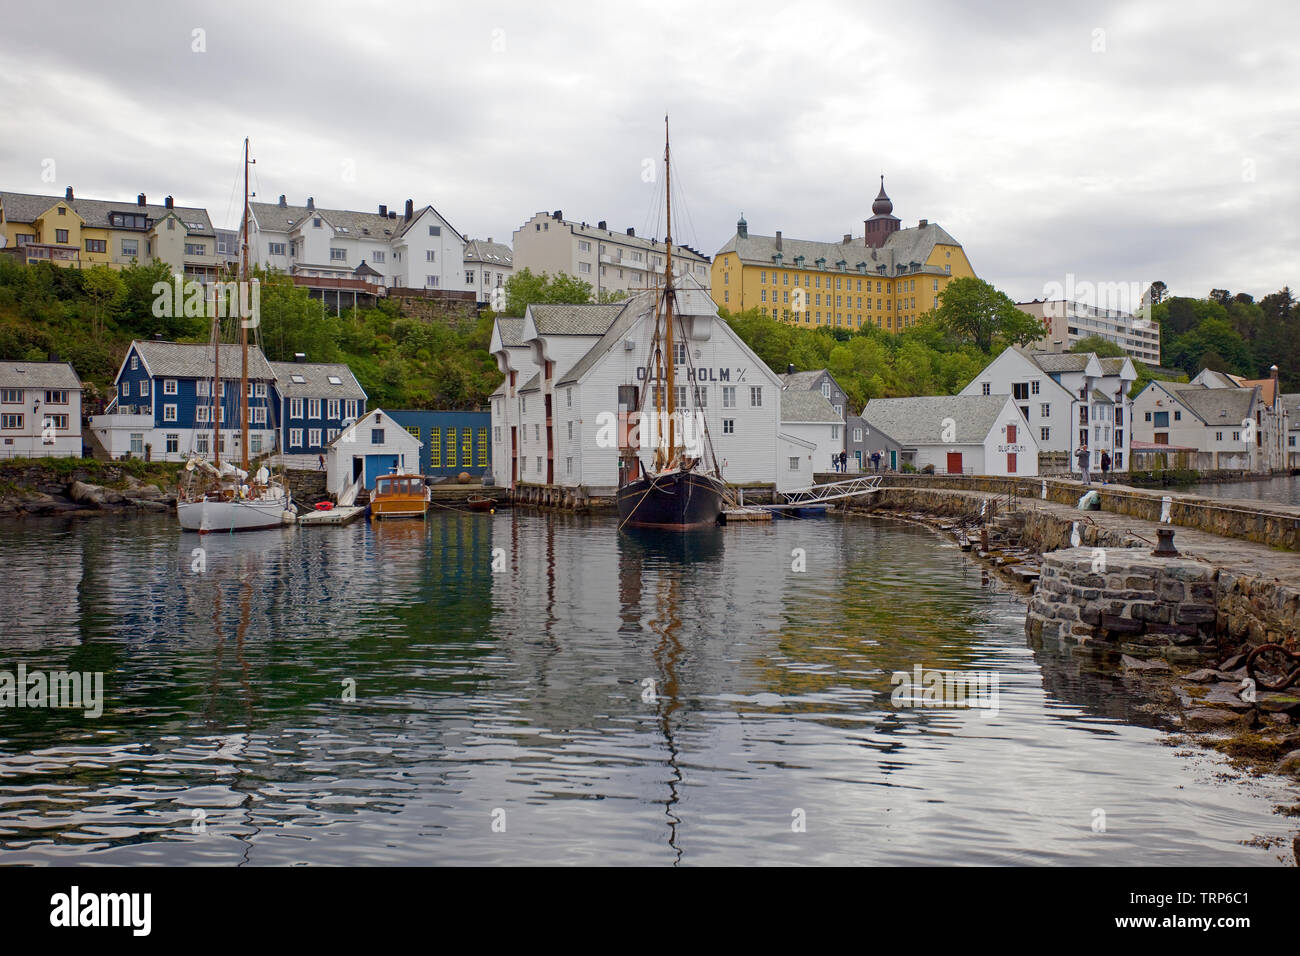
{"type": "Point", "coordinates": [1067, 147]}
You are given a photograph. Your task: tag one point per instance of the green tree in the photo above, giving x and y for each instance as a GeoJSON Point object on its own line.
{"type": "Point", "coordinates": [1103, 347]}
{"type": "Point", "coordinates": [526, 288]}
{"type": "Point", "coordinates": [106, 290]}
{"type": "Point", "coordinates": [973, 309]}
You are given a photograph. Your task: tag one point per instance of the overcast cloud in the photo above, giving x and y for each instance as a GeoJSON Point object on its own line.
{"type": "Point", "coordinates": [1119, 142]}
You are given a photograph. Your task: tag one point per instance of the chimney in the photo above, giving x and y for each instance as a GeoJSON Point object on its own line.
{"type": "Point", "coordinates": [558, 214]}
{"type": "Point", "coordinates": [139, 200]}
{"type": "Point", "coordinates": [778, 240]}
{"type": "Point", "coordinates": [848, 237]}
{"type": "Point", "coordinates": [789, 368]}
{"type": "Point", "coordinates": [157, 337]}
{"type": "Point", "coordinates": [68, 194]}
{"type": "Point", "coordinates": [631, 231]}
{"type": "Point", "coordinates": [283, 204]}
{"type": "Point", "coordinates": [311, 203]}
{"type": "Point", "coordinates": [923, 224]}
{"type": "Point", "coordinates": [410, 209]}
{"type": "Point", "coordinates": [383, 210]}
{"type": "Point", "coordinates": [168, 202]}
{"type": "Point", "coordinates": [489, 238]}
{"type": "Point", "coordinates": [392, 214]}
{"type": "Point", "coordinates": [300, 357]}
{"type": "Point", "coordinates": [600, 225]}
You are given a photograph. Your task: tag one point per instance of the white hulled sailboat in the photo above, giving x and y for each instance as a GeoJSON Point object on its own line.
{"type": "Point", "coordinates": [220, 497]}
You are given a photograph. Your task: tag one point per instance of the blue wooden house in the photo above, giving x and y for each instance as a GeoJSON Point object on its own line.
{"type": "Point", "coordinates": [314, 402]}
{"type": "Point", "coordinates": [452, 442]}
{"type": "Point", "coordinates": [164, 407]}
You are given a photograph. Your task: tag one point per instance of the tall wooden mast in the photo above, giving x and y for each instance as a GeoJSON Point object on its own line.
{"type": "Point", "coordinates": [243, 327]}
{"type": "Point", "coordinates": [671, 358]}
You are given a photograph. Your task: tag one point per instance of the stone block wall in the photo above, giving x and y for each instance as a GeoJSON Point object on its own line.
{"type": "Point", "coordinates": [1126, 600]}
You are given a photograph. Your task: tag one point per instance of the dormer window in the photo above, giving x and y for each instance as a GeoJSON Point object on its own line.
{"type": "Point", "coordinates": [335, 380]}
{"type": "Point", "coordinates": [297, 380]}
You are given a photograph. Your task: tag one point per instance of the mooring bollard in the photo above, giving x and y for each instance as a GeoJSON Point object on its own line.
{"type": "Point", "coordinates": [1165, 544]}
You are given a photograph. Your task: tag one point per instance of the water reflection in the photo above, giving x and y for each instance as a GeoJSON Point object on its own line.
{"type": "Point", "coordinates": [619, 698]}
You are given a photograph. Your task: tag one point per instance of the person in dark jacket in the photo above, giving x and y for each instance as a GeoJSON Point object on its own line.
{"type": "Point", "coordinates": [1105, 468]}
{"type": "Point", "coordinates": [844, 461]}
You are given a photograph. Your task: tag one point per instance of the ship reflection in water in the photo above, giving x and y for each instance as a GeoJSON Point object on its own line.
{"type": "Point", "coordinates": [387, 694]}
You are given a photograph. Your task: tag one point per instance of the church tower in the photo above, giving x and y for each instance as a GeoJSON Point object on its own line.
{"type": "Point", "coordinates": [882, 222]}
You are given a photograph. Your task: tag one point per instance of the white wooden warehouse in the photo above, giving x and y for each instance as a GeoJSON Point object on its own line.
{"type": "Point", "coordinates": [559, 427]}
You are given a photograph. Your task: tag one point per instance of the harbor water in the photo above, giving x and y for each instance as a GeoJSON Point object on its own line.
{"type": "Point", "coordinates": [534, 688]}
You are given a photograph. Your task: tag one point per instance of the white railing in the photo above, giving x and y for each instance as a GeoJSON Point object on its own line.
{"type": "Point", "coordinates": [815, 494]}
{"type": "Point", "coordinates": [44, 452]}
{"type": "Point", "coordinates": [349, 494]}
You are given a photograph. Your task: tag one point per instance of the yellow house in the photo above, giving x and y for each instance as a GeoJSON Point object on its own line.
{"type": "Point", "coordinates": [82, 233]}
{"type": "Point", "coordinates": [889, 277]}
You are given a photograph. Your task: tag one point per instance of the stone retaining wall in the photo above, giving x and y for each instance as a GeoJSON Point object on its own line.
{"type": "Point", "coordinates": [1126, 600]}
{"type": "Point", "coordinates": [1275, 526]}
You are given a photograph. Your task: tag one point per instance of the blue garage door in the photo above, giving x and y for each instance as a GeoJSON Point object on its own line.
{"type": "Point", "coordinates": [377, 465]}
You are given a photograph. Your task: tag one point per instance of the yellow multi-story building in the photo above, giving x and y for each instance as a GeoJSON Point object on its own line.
{"type": "Point", "coordinates": [82, 233]}
{"type": "Point", "coordinates": [889, 277]}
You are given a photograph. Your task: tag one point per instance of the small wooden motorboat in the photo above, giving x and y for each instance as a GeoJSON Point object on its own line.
{"type": "Point", "coordinates": [479, 503]}
{"type": "Point", "coordinates": [399, 496]}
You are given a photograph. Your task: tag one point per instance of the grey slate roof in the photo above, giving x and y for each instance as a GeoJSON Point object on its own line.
{"type": "Point", "coordinates": [574, 319]}
{"type": "Point", "coordinates": [650, 244]}
{"type": "Point", "coordinates": [900, 249]}
{"type": "Point", "coordinates": [1101, 397]}
{"type": "Point", "coordinates": [1053, 362]}
{"type": "Point", "coordinates": [1111, 366]}
{"type": "Point", "coordinates": [1218, 406]}
{"type": "Point", "coordinates": [317, 384]}
{"type": "Point", "coordinates": [491, 253]}
{"type": "Point", "coordinates": [920, 421]}
{"type": "Point", "coordinates": [801, 380]}
{"type": "Point", "coordinates": [631, 310]}
{"type": "Point", "coordinates": [533, 384]}
{"type": "Point", "coordinates": [25, 207]}
{"type": "Point", "coordinates": [273, 217]}
{"type": "Point", "coordinates": [802, 406]}
{"type": "Point", "coordinates": [181, 360]}
{"type": "Point", "coordinates": [511, 331]}
{"type": "Point", "coordinates": [39, 375]}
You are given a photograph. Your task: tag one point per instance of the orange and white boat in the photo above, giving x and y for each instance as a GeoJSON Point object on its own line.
{"type": "Point", "coordinates": [399, 496]}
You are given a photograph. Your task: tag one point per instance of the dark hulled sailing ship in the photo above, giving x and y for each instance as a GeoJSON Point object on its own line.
{"type": "Point", "coordinates": [681, 487]}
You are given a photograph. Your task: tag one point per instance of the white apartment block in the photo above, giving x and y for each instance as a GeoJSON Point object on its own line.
{"type": "Point", "coordinates": [1067, 398]}
{"type": "Point", "coordinates": [611, 261]}
{"type": "Point", "coordinates": [1067, 323]}
{"type": "Point", "coordinates": [488, 266]}
{"type": "Point", "coordinates": [413, 249]}
{"type": "Point", "coordinates": [40, 410]}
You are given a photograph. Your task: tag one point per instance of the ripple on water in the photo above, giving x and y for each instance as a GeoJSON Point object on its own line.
{"type": "Point", "coordinates": [379, 695]}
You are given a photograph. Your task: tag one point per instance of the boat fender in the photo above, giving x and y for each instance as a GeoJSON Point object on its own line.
{"type": "Point", "coordinates": [324, 505]}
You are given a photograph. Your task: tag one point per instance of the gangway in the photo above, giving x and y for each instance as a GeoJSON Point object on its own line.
{"type": "Point", "coordinates": [815, 495]}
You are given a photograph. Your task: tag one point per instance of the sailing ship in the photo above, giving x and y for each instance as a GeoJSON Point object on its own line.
{"type": "Point", "coordinates": [681, 488]}
{"type": "Point", "coordinates": [219, 496]}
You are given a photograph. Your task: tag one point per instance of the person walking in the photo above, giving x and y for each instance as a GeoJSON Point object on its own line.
{"type": "Point", "coordinates": [875, 461]}
{"type": "Point", "coordinates": [1083, 456]}
{"type": "Point", "coordinates": [844, 462]}
{"type": "Point", "coordinates": [1105, 468]}
{"type": "Point", "coordinates": [320, 466]}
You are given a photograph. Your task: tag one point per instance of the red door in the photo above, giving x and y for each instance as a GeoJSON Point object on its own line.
{"type": "Point", "coordinates": [1011, 463]}
{"type": "Point", "coordinates": [954, 463]}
